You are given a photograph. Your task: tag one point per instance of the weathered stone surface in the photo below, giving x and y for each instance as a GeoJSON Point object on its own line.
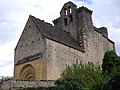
{"type": "Point", "coordinates": [43, 51]}
{"type": "Point", "coordinates": [59, 56]}
{"type": "Point", "coordinates": [38, 65]}
{"type": "Point", "coordinates": [15, 84]}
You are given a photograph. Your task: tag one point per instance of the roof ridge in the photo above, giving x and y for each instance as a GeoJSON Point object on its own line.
{"type": "Point", "coordinates": [55, 34]}
{"type": "Point", "coordinates": [41, 20]}
{"type": "Point", "coordinates": [32, 17]}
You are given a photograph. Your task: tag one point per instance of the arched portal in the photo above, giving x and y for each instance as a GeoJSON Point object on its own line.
{"type": "Point", "coordinates": [27, 72]}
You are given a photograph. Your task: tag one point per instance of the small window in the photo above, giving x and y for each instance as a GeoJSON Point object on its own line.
{"type": "Point", "coordinates": [65, 21]}
{"type": "Point", "coordinates": [77, 61]}
{"type": "Point", "coordinates": [71, 18]}
{"type": "Point", "coordinates": [29, 26]}
{"type": "Point", "coordinates": [69, 9]}
{"type": "Point", "coordinates": [32, 41]}
{"type": "Point", "coordinates": [65, 11]}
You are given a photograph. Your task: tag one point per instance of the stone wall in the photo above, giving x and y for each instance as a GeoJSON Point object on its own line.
{"type": "Point", "coordinates": [14, 84]}
{"type": "Point", "coordinates": [59, 56]}
{"type": "Point", "coordinates": [39, 66]}
{"type": "Point", "coordinates": [31, 42]}
{"type": "Point", "coordinates": [30, 50]}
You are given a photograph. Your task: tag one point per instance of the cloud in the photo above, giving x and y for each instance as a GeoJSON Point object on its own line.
{"type": "Point", "coordinates": [85, 1]}
{"type": "Point", "coordinates": [107, 13]}
{"type": "Point", "coordinates": [7, 58]}
{"type": "Point", "coordinates": [14, 14]}
{"type": "Point", "coordinates": [7, 70]}
{"type": "Point", "coordinates": [6, 63]}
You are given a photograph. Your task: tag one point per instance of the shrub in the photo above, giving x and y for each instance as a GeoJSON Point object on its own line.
{"type": "Point", "coordinates": [82, 77]}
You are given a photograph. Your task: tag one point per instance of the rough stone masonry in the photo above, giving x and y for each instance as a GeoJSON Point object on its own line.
{"type": "Point", "coordinates": [44, 50]}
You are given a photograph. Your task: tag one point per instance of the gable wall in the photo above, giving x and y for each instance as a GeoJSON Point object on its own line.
{"type": "Point", "coordinates": [31, 42]}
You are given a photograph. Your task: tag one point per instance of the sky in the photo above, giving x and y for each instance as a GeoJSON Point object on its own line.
{"type": "Point", "coordinates": [14, 14]}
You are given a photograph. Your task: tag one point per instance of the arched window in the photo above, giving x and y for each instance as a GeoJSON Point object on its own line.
{"type": "Point", "coordinates": [65, 21]}
{"type": "Point", "coordinates": [69, 9]}
{"type": "Point", "coordinates": [65, 11]}
{"type": "Point", "coordinates": [71, 18]}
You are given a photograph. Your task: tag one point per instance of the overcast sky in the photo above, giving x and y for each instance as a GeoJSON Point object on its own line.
{"type": "Point", "coordinates": [14, 14]}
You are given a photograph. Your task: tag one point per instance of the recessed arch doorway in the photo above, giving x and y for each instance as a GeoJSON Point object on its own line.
{"type": "Point", "coordinates": [27, 72]}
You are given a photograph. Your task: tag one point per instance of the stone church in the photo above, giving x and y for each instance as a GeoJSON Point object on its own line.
{"type": "Point", "coordinates": [44, 50]}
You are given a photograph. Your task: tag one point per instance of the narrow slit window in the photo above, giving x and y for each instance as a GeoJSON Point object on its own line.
{"type": "Point", "coordinates": [69, 8]}
{"type": "Point", "coordinates": [65, 21]}
{"type": "Point", "coordinates": [65, 11]}
{"type": "Point", "coordinates": [71, 18]}
{"type": "Point", "coordinates": [77, 61]}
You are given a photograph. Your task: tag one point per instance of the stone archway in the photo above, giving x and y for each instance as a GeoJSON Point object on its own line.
{"type": "Point", "coordinates": [27, 72]}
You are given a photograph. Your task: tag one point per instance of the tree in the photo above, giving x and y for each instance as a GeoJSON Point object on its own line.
{"type": "Point", "coordinates": [114, 83]}
{"type": "Point", "coordinates": [111, 66]}
{"type": "Point", "coordinates": [110, 61]}
{"type": "Point", "coordinates": [5, 78]}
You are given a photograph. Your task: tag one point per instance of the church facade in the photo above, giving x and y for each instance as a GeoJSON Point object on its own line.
{"type": "Point", "coordinates": [44, 50]}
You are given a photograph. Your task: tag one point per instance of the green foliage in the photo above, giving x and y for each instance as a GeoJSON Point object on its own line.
{"type": "Point", "coordinates": [68, 84]}
{"type": "Point", "coordinates": [111, 66]}
{"type": "Point", "coordinates": [110, 61]}
{"type": "Point", "coordinates": [114, 83]}
{"type": "Point", "coordinates": [82, 77]}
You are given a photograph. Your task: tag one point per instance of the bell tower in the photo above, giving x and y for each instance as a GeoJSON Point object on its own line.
{"type": "Point", "coordinates": [68, 20]}
{"type": "Point", "coordinates": [75, 21]}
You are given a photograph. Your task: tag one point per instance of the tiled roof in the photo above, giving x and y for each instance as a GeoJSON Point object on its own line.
{"type": "Point", "coordinates": [55, 34]}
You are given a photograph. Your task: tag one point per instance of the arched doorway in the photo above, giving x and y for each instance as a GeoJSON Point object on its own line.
{"type": "Point", "coordinates": [27, 72]}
